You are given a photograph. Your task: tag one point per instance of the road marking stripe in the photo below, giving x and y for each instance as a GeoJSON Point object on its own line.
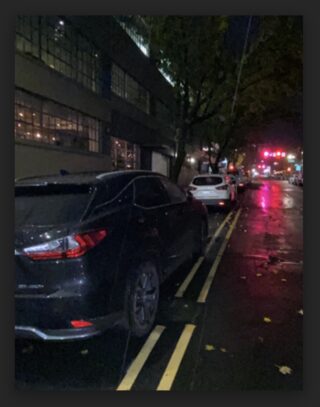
{"type": "Point", "coordinates": [188, 279]}
{"type": "Point", "coordinates": [138, 363]}
{"type": "Point", "coordinates": [176, 358]}
{"type": "Point", "coordinates": [218, 231]}
{"type": "Point", "coordinates": [206, 287]}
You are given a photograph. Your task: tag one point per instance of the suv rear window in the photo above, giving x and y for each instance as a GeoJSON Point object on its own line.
{"type": "Point", "coordinates": [50, 205]}
{"type": "Point", "coordinates": [202, 181]}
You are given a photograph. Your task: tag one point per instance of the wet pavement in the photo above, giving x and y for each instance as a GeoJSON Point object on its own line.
{"type": "Point", "coordinates": [246, 334]}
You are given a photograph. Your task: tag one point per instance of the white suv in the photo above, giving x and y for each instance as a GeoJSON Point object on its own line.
{"type": "Point", "coordinates": [214, 190]}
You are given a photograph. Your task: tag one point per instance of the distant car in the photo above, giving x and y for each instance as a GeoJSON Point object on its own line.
{"type": "Point", "coordinates": [214, 190]}
{"type": "Point", "coordinates": [294, 179]}
{"type": "Point", "coordinates": [241, 179]}
{"type": "Point", "coordinates": [300, 179]}
{"type": "Point", "coordinates": [92, 250]}
{"type": "Point", "coordinates": [291, 179]}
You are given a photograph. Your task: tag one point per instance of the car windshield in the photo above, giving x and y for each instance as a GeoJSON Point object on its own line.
{"type": "Point", "coordinates": [50, 205]}
{"type": "Point", "coordinates": [202, 181]}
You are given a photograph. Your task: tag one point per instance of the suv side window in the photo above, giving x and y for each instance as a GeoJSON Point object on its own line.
{"type": "Point", "coordinates": [149, 192]}
{"type": "Point", "coordinates": [125, 197]}
{"type": "Point", "coordinates": [176, 195]}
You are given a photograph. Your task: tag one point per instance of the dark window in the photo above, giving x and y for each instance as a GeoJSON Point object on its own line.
{"type": "Point", "coordinates": [124, 197]}
{"type": "Point", "coordinates": [150, 192]}
{"type": "Point", "coordinates": [176, 195]}
{"type": "Point", "coordinates": [50, 205]}
{"type": "Point", "coordinates": [202, 181]}
{"type": "Point", "coordinates": [58, 45]}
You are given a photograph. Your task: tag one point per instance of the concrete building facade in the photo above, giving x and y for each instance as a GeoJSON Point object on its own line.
{"type": "Point", "coordinates": [87, 98]}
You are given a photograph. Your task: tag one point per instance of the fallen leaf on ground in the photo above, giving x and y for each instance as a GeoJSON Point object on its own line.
{"type": "Point", "coordinates": [258, 274]}
{"type": "Point", "coordinates": [284, 369]}
{"type": "Point", "coordinates": [84, 352]}
{"type": "Point", "coordinates": [275, 271]}
{"type": "Point", "coordinates": [243, 277]}
{"type": "Point", "coordinates": [28, 349]}
{"type": "Point", "coordinates": [283, 280]}
{"type": "Point", "coordinates": [224, 350]}
{"type": "Point", "coordinates": [260, 339]}
{"type": "Point", "coordinates": [267, 320]}
{"type": "Point", "coordinates": [210, 347]}
{"type": "Point", "coordinates": [300, 311]}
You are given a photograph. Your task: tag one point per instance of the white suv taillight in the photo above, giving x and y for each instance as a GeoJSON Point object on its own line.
{"type": "Point", "coordinates": [66, 247]}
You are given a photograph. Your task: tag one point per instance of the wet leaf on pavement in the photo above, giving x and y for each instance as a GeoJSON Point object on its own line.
{"type": "Point", "coordinates": [210, 348]}
{"type": "Point", "coordinates": [84, 352]}
{"type": "Point", "coordinates": [284, 369]}
{"type": "Point", "coordinates": [224, 350]}
{"type": "Point", "coordinates": [28, 349]}
{"type": "Point", "coordinates": [267, 320]}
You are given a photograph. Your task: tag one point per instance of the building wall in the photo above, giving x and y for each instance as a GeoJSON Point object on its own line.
{"type": "Point", "coordinates": [119, 118]}
{"type": "Point", "coordinates": [33, 160]}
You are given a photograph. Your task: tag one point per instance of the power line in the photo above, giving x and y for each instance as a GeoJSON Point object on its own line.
{"type": "Point", "coordinates": [241, 64]}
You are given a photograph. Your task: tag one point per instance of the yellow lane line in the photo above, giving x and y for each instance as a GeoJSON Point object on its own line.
{"type": "Point", "coordinates": [206, 287]}
{"type": "Point", "coordinates": [176, 358]}
{"type": "Point", "coordinates": [218, 231]}
{"type": "Point", "coordinates": [188, 279]}
{"type": "Point", "coordinates": [138, 363]}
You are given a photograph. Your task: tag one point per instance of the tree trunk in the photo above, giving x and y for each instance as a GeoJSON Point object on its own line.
{"type": "Point", "coordinates": [181, 155]}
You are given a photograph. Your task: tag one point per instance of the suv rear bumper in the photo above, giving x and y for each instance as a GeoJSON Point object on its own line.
{"type": "Point", "coordinates": [222, 203]}
{"type": "Point", "coordinates": [69, 334]}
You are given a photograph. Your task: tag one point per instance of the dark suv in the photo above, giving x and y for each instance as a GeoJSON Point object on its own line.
{"type": "Point", "coordinates": [92, 249]}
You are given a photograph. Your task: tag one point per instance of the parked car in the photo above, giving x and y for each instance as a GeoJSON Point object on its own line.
{"type": "Point", "coordinates": [91, 250]}
{"type": "Point", "coordinates": [294, 179]}
{"type": "Point", "coordinates": [214, 189]}
{"type": "Point", "coordinates": [299, 180]}
{"type": "Point", "coordinates": [291, 179]}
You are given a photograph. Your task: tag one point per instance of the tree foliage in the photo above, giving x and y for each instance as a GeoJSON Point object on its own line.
{"type": "Point", "coordinates": [199, 55]}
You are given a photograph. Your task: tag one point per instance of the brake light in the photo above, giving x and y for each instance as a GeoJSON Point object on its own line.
{"type": "Point", "coordinates": [66, 247]}
{"type": "Point", "coordinates": [222, 188]}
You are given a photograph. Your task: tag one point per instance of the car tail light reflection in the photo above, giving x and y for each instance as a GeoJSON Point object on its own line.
{"type": "Point", "coordinates": [66, 247]}
{"type": "Point", "coordinates": [81, 324]}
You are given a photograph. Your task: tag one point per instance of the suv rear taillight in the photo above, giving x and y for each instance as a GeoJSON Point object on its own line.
{"type": "Point", "coordinates": [68, 247]}
{"type": "Point", "coordinates": [222, 188]}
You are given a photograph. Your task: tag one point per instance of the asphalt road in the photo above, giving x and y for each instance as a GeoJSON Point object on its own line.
{"type": "Point", "coordinates": [232, 321]}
